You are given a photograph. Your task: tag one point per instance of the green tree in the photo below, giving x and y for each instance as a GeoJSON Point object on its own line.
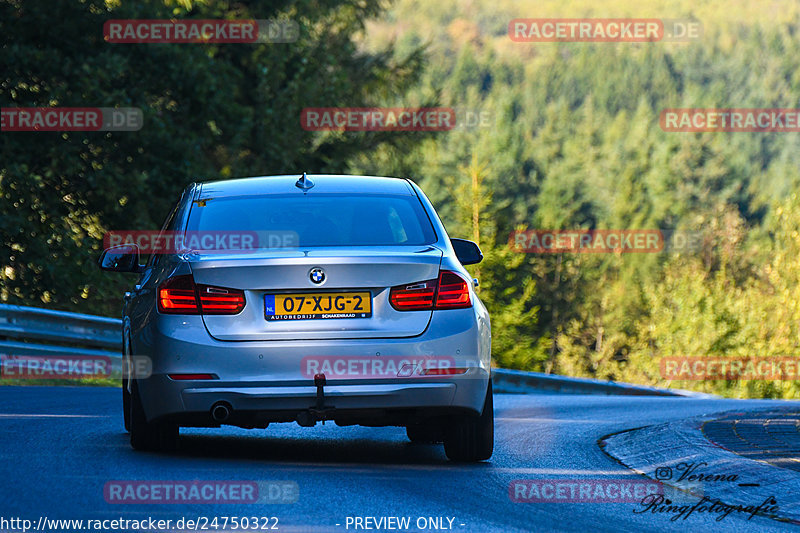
{"type": "Point", "coordinates": [210, 111]}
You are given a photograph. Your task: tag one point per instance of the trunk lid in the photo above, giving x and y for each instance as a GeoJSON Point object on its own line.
{"type": "Point", "coordinates": [269, 277]}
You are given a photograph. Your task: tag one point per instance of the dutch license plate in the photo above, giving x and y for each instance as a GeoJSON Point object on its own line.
{"type": "Point", "coordinates": [326, 305]}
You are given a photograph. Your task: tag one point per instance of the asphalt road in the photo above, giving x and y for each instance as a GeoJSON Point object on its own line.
{"type": "Point", "coordinates": [60, 446]}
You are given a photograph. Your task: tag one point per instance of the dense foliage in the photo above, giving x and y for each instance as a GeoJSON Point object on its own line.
{"type": "Point", "coordinates": [210, 111]}
{"type": "Point", "coordinates": [574, 142]}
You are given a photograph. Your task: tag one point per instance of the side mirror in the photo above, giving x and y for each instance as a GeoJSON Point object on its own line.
{"type": "Point", "coordinates": [122, 258]}
{"type": "Point", "coordinates": [467, 251]}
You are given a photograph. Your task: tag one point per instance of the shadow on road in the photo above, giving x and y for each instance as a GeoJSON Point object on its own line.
{"type": "Point", "coordinates": [312, 449]}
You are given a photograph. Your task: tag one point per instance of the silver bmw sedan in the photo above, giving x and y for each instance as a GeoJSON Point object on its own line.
{"type": "Point", "coordinates": [305, 299]}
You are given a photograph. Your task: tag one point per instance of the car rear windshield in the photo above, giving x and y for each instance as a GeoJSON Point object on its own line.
{"type": "Point", "coordinates": [317, 219]}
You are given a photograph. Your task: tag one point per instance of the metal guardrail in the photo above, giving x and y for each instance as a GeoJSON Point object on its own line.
{"type": "Point", "coordinates": [36, 331]}
{"type": "Point", "coordinates": [523, 382]}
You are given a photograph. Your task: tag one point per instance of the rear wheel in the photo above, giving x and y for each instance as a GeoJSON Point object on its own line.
{"type": "Point", "coordinates": [126, 396]}
{"type": "Point", "coordinates": [149, 436]}
{"type": "Point", "coordinates": [126, 404]}
{"type": "Point", "coordinates": [471, 438]}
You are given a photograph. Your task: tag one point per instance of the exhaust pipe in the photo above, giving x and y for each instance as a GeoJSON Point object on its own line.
{"type": "Point", "coordinates": [220, 412]}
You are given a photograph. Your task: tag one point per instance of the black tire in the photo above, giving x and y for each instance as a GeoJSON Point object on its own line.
{"type": "Point", "coordinates": [149, 436]}
{"type": "Point", "coordinates": [126, 396]}
{"type": "Point", "coordinates": [471, 438]}
{"type": "Point", "coordinates": [424, 433]}
{"type": "Point", "coordinates": [126, 404]}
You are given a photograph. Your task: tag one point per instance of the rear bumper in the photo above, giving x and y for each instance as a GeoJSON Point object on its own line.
{"type": "Point", "coordinates": [266, 381]}
{"type": "Point", "coordinates": [377, 404]}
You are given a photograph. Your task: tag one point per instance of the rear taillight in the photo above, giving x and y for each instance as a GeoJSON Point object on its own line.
{"type": "Point", "coordinates": [450, 291]}
{"type": "Point", "coordinates": [181, 296]}
{"type": "Point", "coordinates": [453, 291]}
{"type": "Point", "coordinates": [219, 301]}
{"type": "Point", "coordinates": [178, 296]}
{"type": "Point", "coordinates": [414, 297]}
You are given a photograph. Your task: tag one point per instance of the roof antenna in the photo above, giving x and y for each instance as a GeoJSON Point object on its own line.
{"type": "Point", "coordinates": [304, 183]}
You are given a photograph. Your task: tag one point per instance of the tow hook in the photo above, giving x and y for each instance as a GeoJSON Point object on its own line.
{"type": "Point", "coordinates": [319, 381]}
{"type": "Point", "coordinates": [319, 412]}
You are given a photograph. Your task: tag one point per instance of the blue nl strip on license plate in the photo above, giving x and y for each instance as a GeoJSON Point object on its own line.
{"type": "Point", "coordinates": [269, 304]}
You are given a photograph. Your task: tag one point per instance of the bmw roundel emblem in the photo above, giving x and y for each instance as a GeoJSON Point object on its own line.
{"type": "Point", "coordinates": [317, 275]}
